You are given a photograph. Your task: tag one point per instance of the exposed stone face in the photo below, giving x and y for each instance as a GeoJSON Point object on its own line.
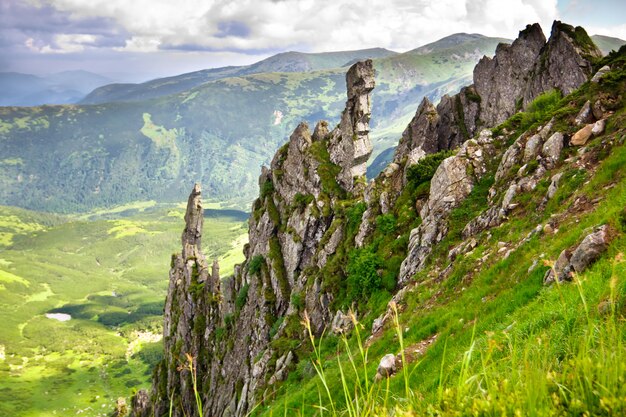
{"type": "Point", "coordinates": [451, 184]}
{"type": "Point", "coordinates": [501, 81]}
{"type": "Point", "coordinates": [520, 72]}
{"type": "Point", "coordinates": [294, 229]}
{"type": "Point", "coordinates": [563, 64]}
{"type": "Point", "coordinates": [350, 146]}
{"type": "Point", "coordinates": [419, 137]}
{"type": "Point", "coordinates": [289, 222]}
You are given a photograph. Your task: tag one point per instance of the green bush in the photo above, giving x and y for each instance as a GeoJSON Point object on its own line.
{"type": "Point", "coordinates": [425, 169]}
{"type": "Point", "coordinates": [363, 278]}
{"type": "Point", "coordinates": [300, 201]}
{"type": "Point", "coordinates": [386, 223]}
{"type": "Point", "coordinates": [267, 189]}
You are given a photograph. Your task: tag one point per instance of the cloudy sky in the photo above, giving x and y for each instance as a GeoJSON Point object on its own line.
{"type": "Point", "coordinates": [152, 38]}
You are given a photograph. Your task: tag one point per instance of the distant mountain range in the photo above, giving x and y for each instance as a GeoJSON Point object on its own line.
{"type": "Point", "coordinates": [607, 44]}
{"type": "Point", "coordinates": [61, 88]}
{"type": "Point", "coordinates": [283, 62]}
{"type": "Point", "coordinates": [128, 142]}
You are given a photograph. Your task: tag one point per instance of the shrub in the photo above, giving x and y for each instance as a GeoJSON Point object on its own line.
{"type": "Point", "coordinates": [386, 223]}
{"type": "Point", "coordinates": [363, 278]}
{"type": "Point", "coordinates": [425, 169]}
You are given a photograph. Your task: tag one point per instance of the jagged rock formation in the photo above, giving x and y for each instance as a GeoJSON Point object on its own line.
{"type": "Point", "coordinates": [504, 84]}
{"type": "Point", "coordinates": [350, 146]}
{"type": "Point", "coordinates": [452, 182]}
{"type": "Point", "coordinates": [292, 229]}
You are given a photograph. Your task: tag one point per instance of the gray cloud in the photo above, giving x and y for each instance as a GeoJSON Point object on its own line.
{"type": "Point", "coordinates": [208, 31]}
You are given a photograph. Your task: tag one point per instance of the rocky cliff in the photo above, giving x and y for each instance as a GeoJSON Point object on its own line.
{"type": "Point", "coordinates": [317, 230]}
{"type": "Point", "coordinates": [236, 332]}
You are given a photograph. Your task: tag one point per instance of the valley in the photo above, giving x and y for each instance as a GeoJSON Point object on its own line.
{"type": "Point", "coordinates": [105, 273]}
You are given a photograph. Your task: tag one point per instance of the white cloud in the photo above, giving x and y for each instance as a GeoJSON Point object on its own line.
{"type": "Point", "coordinates": [314, 25]}
{"type": "Point", "coordinates": [63, 44]}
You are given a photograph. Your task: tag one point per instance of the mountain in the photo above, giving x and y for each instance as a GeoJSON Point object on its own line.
{"type": "Point", "coordinates": [284, 62]}
{"type": "Point", "coordinates": [68, 158]}
{"type": "Point", "coordinates": [59, 88]}
{"type": "Point", "coordinates": [607, 44]}
{"type": "Point", "coordinates": [482, 270]}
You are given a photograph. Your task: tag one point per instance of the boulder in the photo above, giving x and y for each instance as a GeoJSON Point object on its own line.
{"type": "Point", "coordinates": [554, 185]}
{"type": "Point", "coordinates": [532, 148]}
{"type": "Point", "coordinates": [601, 73]}
{"type": "Point", "coordinates": [387, 365]}
{"type": "Point", "coordinates": [590, 249]}
{"type": "Point", "coordinates": [586, 253]}
{"type": "Point", "coordinates": [582, 136]}
{"type": "Point", "coordinates": [561, 269]}
{"type": "Point", "coordinates": [598, 127]}
{"type": "Point", "coordinates": [585, 115]}
{"type": "Point", "coordinates": [598, 110]}
{"type": "Point", "coordinates": [551, 150]}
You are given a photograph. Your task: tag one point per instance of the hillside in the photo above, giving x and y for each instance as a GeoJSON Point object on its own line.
{"type": "Point", "coordinates": [72, 158]}
{"type": "Point", "coordinates": [480, 273]}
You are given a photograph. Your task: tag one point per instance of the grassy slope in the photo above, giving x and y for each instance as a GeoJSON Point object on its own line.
{"type": "Point", "coordinates": [505, 344]}
{"type": "Point", "coordinates": [108, 270]}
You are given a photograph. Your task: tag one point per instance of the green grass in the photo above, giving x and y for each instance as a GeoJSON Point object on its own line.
{"type": "Point", "coordinates": [108, 270]}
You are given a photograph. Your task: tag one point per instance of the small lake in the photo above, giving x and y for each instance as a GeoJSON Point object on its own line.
{"type": "Point", "coordinates": [59, 316]}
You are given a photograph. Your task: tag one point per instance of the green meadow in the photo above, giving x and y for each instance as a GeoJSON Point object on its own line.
{"type": "Point", "coordinates": [108, 271]}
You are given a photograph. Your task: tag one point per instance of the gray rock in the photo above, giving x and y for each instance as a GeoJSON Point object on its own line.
{"type": "Point", "coordinates": [350, 146]}
{"type": "Point", "coordinates": [378, 324]}
{"type": "Point", "coordinates": [532, 148]}
{"type": "Point", "coordinates": [598, 110]}
{"type": "Point", "coordinates": [501, 80]}
{"type": "Point", "coordinates": [601, 73]}
{"type": "Point", "coordinates": [561, 269]}
{"type": "Point", "coordinates": [140, 404]}
{"type": "Point", "coordinates": [598, 127]}
{"type": "Point", "coordinates": [387, 365]}
{"type": "Point", "coordinates": [452, 182]}
{"type": "Point", "coordinates": [590, 249]}
{"type": "Point", "coordinates": [586, 253]}
{"type": "Point", "coordinates": [552, 149]}
{"type": "Point", "coordinates": [554, 185]}
{"type": "Point", "coordinates": [342, 323]}
{"type": "Point", "coordinates": [585, 114]}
